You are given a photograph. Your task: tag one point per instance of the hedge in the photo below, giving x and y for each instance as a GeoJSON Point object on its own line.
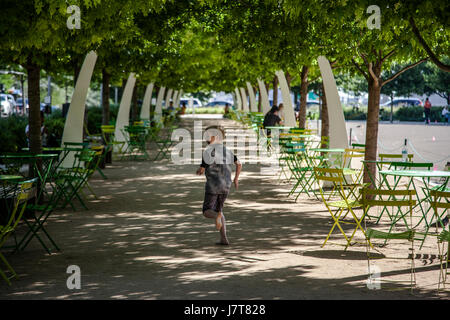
{"type": "Point", "coordinates": [400, 114]}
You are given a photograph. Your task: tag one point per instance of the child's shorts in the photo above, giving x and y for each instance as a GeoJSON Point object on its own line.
{"type": "Point", "coordinates": [214, 201]}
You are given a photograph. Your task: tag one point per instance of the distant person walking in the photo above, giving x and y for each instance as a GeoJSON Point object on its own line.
{"type": "Point", "coordinates": [427, 110]}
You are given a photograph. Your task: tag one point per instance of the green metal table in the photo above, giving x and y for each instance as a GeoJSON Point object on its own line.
{"type": "Point", "coordinates": [425, 177]}
{"type": "Point", "coordinates": [47, 161]}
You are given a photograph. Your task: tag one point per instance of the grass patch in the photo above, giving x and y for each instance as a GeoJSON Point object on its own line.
{"type": "Point", "coordinates": [208, 110]}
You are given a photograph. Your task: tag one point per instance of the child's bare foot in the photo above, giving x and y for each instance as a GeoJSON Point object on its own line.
{"type": "Point", "coordinates": [219, 221]}
{"type": "Point", "coordinates": [223, 243]}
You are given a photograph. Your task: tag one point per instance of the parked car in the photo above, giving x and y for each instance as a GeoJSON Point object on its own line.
{"type": "Point", "coordinates": [7, 107]}
{"type": "Point", "coordinates": [403, 102]}
{"type": "Point", "coordinates": [196, 102]}
{"type": "Point", "coordinates": [12, 101]}
{"type": "Point", "coordinates": [19, 105]}
{"type": "Point", "coordinates": [218, 103]}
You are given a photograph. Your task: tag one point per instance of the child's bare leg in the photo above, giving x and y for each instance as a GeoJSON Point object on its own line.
{"type": "Point", "coordinates": [223, 231]}
{"type": "Point", "coordinates": [214, 215]}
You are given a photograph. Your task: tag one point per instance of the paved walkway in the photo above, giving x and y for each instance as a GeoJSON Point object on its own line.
{"type": "Point", "coordinates": [145, 238]}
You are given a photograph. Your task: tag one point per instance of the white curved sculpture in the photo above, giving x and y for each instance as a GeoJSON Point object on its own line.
{"type": "Point", "coordinates": [158, 108]}
{"type": "Point", "coordinates": [263, 96]}
{"type": "Point", "coordinates": [238, 99]}
{"type": "Point", "coordinates": [168, 97]}
{"type": "Point", "coordinates": [123, 116]}
{"type": "Point", "coordinates": [145, 110]}
{"type": "Point", "coordinates": [251, 95]}
{"type": "Point", "coordinates": [244, 100]}
{"type": "Point", "coordinates": [73, 127]}
{"type": "Point", "coordinates": [338, 130]}
{"type": "Point", "coordinates": [288, 110]}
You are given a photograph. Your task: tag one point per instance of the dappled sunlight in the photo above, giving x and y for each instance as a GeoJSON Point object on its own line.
{"type": "Point", "coordinates": [146, 238]}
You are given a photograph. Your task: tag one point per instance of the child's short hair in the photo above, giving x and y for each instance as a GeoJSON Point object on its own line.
{"type": "Point", "coordinates": [218, 128]}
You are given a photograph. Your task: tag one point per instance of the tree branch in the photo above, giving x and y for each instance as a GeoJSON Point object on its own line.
{"type": "Point", "coordinates": [428, 50]}
{"type": "Point", "coordinates": [360, 69]}
{"type": "Point", "coordinates": [364, 58]}
{"type": "Point", "coordinates": [403, 70]}
{"type": "Point", "coordinates": [314, 79]}
{"type": "Point", "coordinates": [373, 74]}
{"type": "Point", "coordinates": [387, 56]}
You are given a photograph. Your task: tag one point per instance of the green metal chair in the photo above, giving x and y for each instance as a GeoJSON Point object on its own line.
{"type": "Point", "coordinates": [440, 203]}
{"type": "Point", "coordinates": [20, 196]}
{"type": "Point", "coordinates": [70, 180]}
{"type": "Point", "coordinates": [136, 142]}
{"type": "Point", "coordinates": [343, 203]}
{"type": "Point", "coordinates": [101, 152]}
{"type": "Point", "coordinates": [164, 142]}
{"type": "Point", "coordinates": [108, 134]}
{"type": "Point", "coordinates": [374, 198]}
{"type": "Point", "coordinates": [301, 170]}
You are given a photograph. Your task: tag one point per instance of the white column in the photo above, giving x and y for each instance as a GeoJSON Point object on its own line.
{"type": "Point", "coordinates": [263, 96]}
{"type": "Point", "coordinates": [73, 127]}
{"type": "Point", "coordinates": [244, 100]}
{"type": "Point", "coordinates": [289, 115]}
{"type": "Point", "coordinates": [238, 99]}
{"type": "Point", "coordinates": [145, 110]}
{"type": "Point", "coordinates": [123, 116]}
{"type": "Point", "coordinates": [251, 95]}
{"type": "Point", "coordinates": [338, 130]}
{"type": "Point", "coordinates": [168, 97]}
{"type": "Point", "coordinates": [158, 108]}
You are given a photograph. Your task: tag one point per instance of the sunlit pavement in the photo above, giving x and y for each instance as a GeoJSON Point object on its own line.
{"type": "Point", "coordinates": [145, 238]}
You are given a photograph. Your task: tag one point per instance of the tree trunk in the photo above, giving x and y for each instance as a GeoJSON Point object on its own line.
{"type": "Point", "coordinates": [259, 99]}
{"type": "Point", "coordinates": [303, 96]}
{"type": "Point", "coordinates": [275, 92]}
{"type": "Point", "coordinates": [325, 130]}
{"type": "Point", "coordinates": [34, 117]}
{"type": "Point", "coordinates": [288, 80]}
{"type": "Point", "coordinates": [373, 112]}
{"type": "Point", "coordinates": [34, 98]}
{"type": "Point", "coordinates": [392, 108]}
{"type": "Point", "coordinates": [134, 108]}
{"type": "Point", "coordinates": [153, 107]}
{"type": "Point", "coordinates": [105, 96]}
{"type": "Point", "coordinates": [295, 99]}
{"type": "Point", "coordinates": [76, 72]}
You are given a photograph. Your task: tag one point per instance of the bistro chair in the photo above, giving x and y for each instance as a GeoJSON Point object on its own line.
{"type": "Point", "coordinates": [374, 198]}
{"type": "Point", "coordinates": [20, 196]}
{"type": "Point", "coordinates": [440, 203]}
{"type": "Point", "coordinates": [344, 202]}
